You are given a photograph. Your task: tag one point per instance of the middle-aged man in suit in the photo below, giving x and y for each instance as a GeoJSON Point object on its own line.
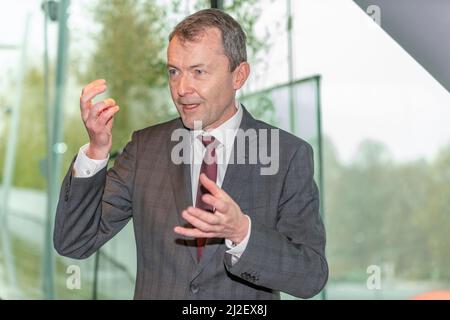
{"type": "Point", "coordinates": [207, 229]}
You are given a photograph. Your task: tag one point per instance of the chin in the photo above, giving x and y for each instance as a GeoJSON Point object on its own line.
{"type": "Point", "coordinates": [188, 122]}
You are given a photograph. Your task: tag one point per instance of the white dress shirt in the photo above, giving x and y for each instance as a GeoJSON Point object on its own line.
{"type": "Point", "coordinates": [225, 134]}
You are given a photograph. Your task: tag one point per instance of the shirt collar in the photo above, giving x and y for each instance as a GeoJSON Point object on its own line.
{"type": "Point", "coordinates": [226, 132]}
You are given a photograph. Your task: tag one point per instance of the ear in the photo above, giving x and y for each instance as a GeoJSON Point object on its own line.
{"type": "Point", "coordinates": [240, 75]}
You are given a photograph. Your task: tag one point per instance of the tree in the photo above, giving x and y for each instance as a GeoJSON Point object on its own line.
{"type": "Point", "coordinates": [434, 218]}
{"type": "Point", "coordinates": [247, 13]}
{"type": "Point", "coordinates": [129, 55]}
{"type": "Point", "coordinates": [30, 148]}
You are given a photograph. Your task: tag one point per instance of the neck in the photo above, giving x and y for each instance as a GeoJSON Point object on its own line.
{"type": "Point", "coordinates": [228, 114]}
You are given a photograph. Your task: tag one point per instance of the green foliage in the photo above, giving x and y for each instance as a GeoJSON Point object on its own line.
{"type": "Point", "coordinates": [129, 54]}
{"type": "Point", "coordinates": [261, 107]}
{"type": "Point", "coordinates": [31, 135]}
{"type": "Point", "coordinates": [247, 13]}
{"type": "Point", "coordinates": [434, 218]}
{"type": "Point", "coordinates": [3, 132]}
{"type": "Point", "coordinates": [388, 214]}
{"type": "Point", "coordinates": [27, 257]}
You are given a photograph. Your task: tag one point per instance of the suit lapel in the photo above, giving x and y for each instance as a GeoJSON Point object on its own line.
{"type": "Point", "coordinates": [180, 177]}
{"type": "Point", "coordinates": [239, 169]}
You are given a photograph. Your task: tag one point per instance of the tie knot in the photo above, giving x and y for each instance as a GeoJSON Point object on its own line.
{"type": "Point", "coordinates": [207, 140]}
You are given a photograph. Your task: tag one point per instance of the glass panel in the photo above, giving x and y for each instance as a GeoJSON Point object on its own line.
{"type": "Point", "coordinates": [103, 38]}
{"type": "Point", "coordinates": [273, 106]}
{"type": "Point", "coordinates": [125, 43]}
{"type": "Point", "coordinates": [386, 147]}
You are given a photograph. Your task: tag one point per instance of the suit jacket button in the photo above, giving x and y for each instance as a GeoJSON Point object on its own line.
{"type": "Point", "coordinates": [194, 288]}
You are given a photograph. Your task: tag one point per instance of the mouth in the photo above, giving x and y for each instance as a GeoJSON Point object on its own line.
{"type": "Point", "coordinates": [189, 107]}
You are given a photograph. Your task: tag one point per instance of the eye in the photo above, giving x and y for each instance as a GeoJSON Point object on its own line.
{"type": "Point", "coordinates": [172, 72]}
{"type": "Point", "coordinates": [199, 72]}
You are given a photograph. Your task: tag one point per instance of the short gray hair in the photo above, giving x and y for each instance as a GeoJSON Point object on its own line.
{"type": "Point", "coordinates": [192, 27]}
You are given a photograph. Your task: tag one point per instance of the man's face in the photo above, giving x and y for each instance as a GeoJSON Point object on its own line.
{"type": "Point", "coordinates": [202, 86]}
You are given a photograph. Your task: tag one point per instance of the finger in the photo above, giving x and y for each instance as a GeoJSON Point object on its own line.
{"type": "Point", "coordinates": [107, 115]}
{"type": "Point", "coordinates": [94, 83]}
{"type": "Point", "coordinates": [93, 111]}
{"type": "Point", "coordinates": [198, 223]}
{"type": "Point", "coordinates": [85, 100]}
{"type": "Point", "coordinates": [211, 186]}
{"type": "Point", "coordinates": [203, 215]}
{"type": "Point", "coordinates": [215, 202]}
{"type": "Point", "coordinates": [96, 109]}
{"type": "Point", "coordinates": [110, 102]}
{"type": "Point", "coordinates": [91, 93]}
{"type": "Point", "coordinates": [109, 123]}
{"type": "Point", "coordinates": [193, 233]}
{"type": "Point", "coordinates": [101, 106]}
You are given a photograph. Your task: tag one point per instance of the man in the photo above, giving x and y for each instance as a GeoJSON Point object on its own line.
{"type": "Point", "coordinates": [207, 229]}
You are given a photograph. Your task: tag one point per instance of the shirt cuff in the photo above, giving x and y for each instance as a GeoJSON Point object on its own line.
{"type": "Point", "coordinates": [237, 250]}
{"type": "Point", "coordinates": [85, 167]}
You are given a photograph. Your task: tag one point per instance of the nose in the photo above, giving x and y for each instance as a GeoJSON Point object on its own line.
{"type": "Point", "coordinates": [184, 86]}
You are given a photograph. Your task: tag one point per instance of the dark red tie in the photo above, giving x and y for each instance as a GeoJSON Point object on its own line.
{"type": "Point", "coordinates": [209, 167]}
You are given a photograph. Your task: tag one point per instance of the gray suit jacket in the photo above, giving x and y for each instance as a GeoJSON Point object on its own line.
{"type": "Point", "coordinates": [286, 250]}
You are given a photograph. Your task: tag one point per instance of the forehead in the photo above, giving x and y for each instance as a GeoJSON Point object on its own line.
{"type": "Point", "coordinates": [207, 46]}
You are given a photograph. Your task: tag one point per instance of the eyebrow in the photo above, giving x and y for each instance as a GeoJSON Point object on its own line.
{"type": "Point", "coordinates": [191, 67]}
{"type": "Point", "coordinates": [197, 65]}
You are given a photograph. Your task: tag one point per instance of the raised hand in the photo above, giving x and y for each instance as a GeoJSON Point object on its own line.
{"type": "Point", "coordinates": [98, 119]}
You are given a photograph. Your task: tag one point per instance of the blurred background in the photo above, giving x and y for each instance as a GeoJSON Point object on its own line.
{"type": "Point", "coordinates": [323, 70]}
